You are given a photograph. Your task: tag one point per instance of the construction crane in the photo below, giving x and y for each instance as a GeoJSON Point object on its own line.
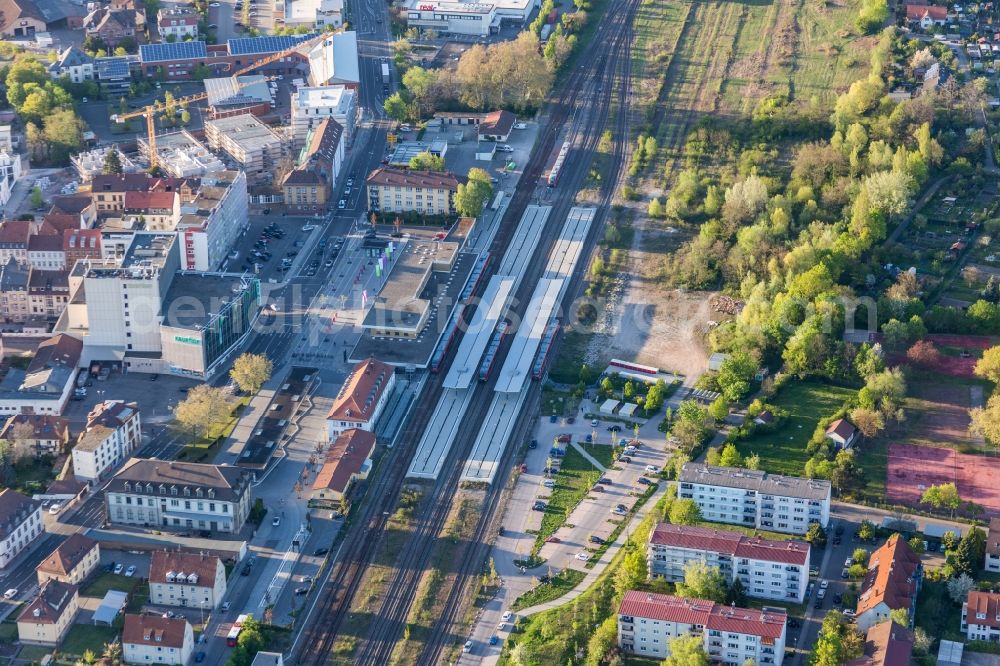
{"type": "Point", "coordinates": [150, 111]}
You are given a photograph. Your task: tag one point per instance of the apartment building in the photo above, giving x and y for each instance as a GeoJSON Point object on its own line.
{"type": "Point", "coordinates": [648, 622]}
{"type": "Point", "coordinates": [992, 562]}
{"type": "Point", "coordinates": [891, 583]}
{"type": "Point", "coordinates": [151, 210]}
{"type": "Point", "coordinates": [113, 433]}
{"type": "Point", "coordinates": [48, 382]}
{"type": "Point", "coordinates": [311, 105]}
{"type": "Point", "coordinates": [193, 580]}
{"type": "Point", "coordinates": [317, 168]}
{"type": "Point", "coordinates": [71, 562]}
{"type": "Point", "coordinates": [212, 221]}
{"type": "Point", "coordinates": [14, 291]}
{"type": "Point", "coordinates": [886, 644]}
{"type": "Point", "coordinates": [756, 499]}
{"type": "Point", "coordinates": [404, 190]}
{"type": "Point", "coordinates": [179, 22]}
{"type": "Point", "coordinates": [179, 496]}
{"type": "Point", "coordinates": [14, 240]}
{"type": "Point", "coordinates": [81, 244]}
{"type": "Point", "coordinates": [48, 292]}
{"type": "Point", "coordinates": [251, 144]}
{"type": "Point", "coordinates": [45, 252]}
{"type": "Point", "coordinates": [36, 434]}
{"type": "Point", "coordinates": [362, 398]}
{"type": "Point", "coordinates": [777, 570]}
{"type": "Point", "coordinates": [20, 524]}
{"type": "Point", "coordinates": [981, 616]}
{"type": "Point", "coordinates": [50, 614]}
{"type": "Point", "coordinates": [74, 64]}
{"type": "Point", "coordinates": [152, 639]}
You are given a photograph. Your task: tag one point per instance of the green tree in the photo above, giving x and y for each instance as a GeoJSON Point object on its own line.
{"type": "Point", "coordinates": [472, 195]}
{"type": "Point", "coordinates": [63, 135]}
{"type": "Point", "coordinates": [702, 582]}
{"type": "Point", "coordinates": [602, 641]}
{"type": "Point", "coordinates": [986, 420]}
{"type": "Point", "coordinates": [687, 651]}
{"type": "Point", "coordinates": [866, 531]}
{"type": "Point", "coordinates": [185, 117]}
{"type": "Point", "coordinates": [719, 409]}
{"type": "Point", "coordinates": [942, 496]}
{"type": "Point", "coordinates": [730, 456]}
{"type": "Point", "coordinates": [684, 512]}
{"type": "Point", "coordinates": [427, 161]}
{"type": "Point", "coordinates": [736, 594]}
{"type": "Point", "coordinates": [205, 408]}
{"type": "Point", "coordinates": [988, 367]}
{"type": "Point", "coordinates": [816, 535]}
{"type": "Point", "coordinates": [396, 107]}
{"type": "Point", "coordinates": [36, 197]}
{"type": "Point", "coordinates": [736, 374]}
{"type": "Point", "coordinates": [112, 163]}
{"type": "Point", "coordinates": [900, 616]}
{"type": "Point", "coordinates": [251, 371]}
{"type": "Point", "coordinates": [971, 551]}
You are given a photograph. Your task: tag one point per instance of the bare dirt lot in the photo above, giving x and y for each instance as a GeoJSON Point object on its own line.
{"type": "Point", "coordinates": [938, 414]}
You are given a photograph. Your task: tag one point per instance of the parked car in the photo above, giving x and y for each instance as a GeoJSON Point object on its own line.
{"type": "Point", "coordinates": [342, 204]}
{"type": "Point", "coordinates": [549, 483]}
{"type": "Point", "coordinates": [226, 605]}
{"type": "Point", "coordinates": [494, 640]}
{"type": "Point", "coordinates": [520, 125]}
{"type": "Point", "coordinates": [10, 594]}
{"type": "Point", "coordinates": [644, 481]}
{"type": "Point", "coordinates": [538, 506]}
{"type": "Point", "coordinates": [553, 539]}
{"type": "Point", "coordinates": [505, 148]}
{"type": "Point", "coordinates": [119, 568]}
{"type": "Point", "coordinates": [467, 647]}
{"type": "Point", "coordinates": [276, 521]}
{"type": "Point", "coordinates": [596, 539]}
{"type": "Point", "coordinates": [130, 571]}
{"type": "Point", "coordinates": [583, 557]}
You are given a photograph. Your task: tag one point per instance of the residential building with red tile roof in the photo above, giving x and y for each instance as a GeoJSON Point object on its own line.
{"type": "Point", "coordinates": [37, 434]}
{"type": "Point", "coordinates": [49, 616]}
{"type": "Point", "coordinates": [362, 398]}
{"type": "Point", "coordinates": [45, 252]}
{"type": "Point", "coordinates": [926, 15]}
{"type": "Point", "coordinates": [71, 561]}
{"type": "Point", "coordinates": [192, 580]}
{"type": "Point", "coordinates": [892, 582]}
{"type": "Point", "coordinates": [152, 639]}
{"type": "Point", "coordinates": [404, 190]}
{"type": "Point", "coordinates": [647, 623]}
{"type": "Point", "coordinates": [81, 244]}
{"type": "Point", "coordinates": [14, 240]}
{"type": "Point", "coordinates": [842, 433]}
{"type": "Point", "coordinates": [981, 616]}
{"type": "Point", "coordinates": [777, 570]}
{"type": "Point", "coordinates": [349, 459]}
{"type": "Point", "coordinates": [886, 644]}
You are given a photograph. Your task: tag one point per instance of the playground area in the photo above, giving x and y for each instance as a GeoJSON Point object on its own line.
{"type": "Point", "coordinates": [912, 469]}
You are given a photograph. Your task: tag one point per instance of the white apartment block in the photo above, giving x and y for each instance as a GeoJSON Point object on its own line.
{"type": "Point", "coordinates": [20, 524]}
{"type": "Point", "coordinates": [310, 105]}
{"type": "Point", "coordinates": [648, 622]}
{"type": "Point", "coordinates": [755, 499]}
{"type": "Point", "coordinates": [151, 639]}
{"type": "Point", "coordinates": [113, 433]}
{"type": "Point", "coordinates": [775, 570]}
{"type": "Point", "coordinates": [192, 580]}
{"type": "Point", "coordinates": [402, 190]}
{"type": "Point", "coordinates": [210, 225]}
{"type": "Point", "coordinates": [179, 496]}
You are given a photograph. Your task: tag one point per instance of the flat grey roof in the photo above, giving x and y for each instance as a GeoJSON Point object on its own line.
{"type": "Point", "coordinates": [193, 298]}
{"type": "Point", "coordinates": [746, 479]}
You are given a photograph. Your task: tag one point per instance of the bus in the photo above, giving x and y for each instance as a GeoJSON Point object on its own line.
{"type": "Point", "coordinates": [241, 619]}
{"type": "Point", "coordinates": [233, 636]}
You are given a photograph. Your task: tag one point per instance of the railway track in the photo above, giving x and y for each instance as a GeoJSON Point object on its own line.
{"type": "Point", "coordinates": [365, 534]}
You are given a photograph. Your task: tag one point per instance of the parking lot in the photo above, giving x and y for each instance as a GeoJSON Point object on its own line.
{"type": "Point", "coordinates": [156, 397]}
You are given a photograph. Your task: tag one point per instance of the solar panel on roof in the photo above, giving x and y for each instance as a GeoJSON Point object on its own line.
{"type": "Point", "coordinates": [111, 67]}
{"type": "Point", "coordinates": [266, 44]}
{"type": "Point", "coordinates": [175, 51]}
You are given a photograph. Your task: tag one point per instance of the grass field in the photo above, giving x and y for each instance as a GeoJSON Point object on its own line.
{"type": "Point", "coordinates": [83, 637]}
{"type": "Point", "coordinates": [558, 585]}
{"type": "Point", "coordinates": [784, 451]}
{"type": "Point", "coordinates": [109, 581]}
{"type": "Point", "coordinates": [575, 478]}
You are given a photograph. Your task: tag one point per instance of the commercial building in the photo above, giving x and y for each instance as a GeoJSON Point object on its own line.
{"type": "Point", "coordinates": [192, 580]}
{"type": "Point", "coordinates": [20, 524]}
{"type": "Point", "coordinates": [334, 61]}
{"type": "Point", "coordinates": [251, 144]}
{"type": "Point", "coordinates": [311, 182]}
{"type": "Point", "coordinates": [113, 433]}
{"type": "Point", "coordinates": [314, 13]}
{"type": "Point", "coordinates": [179, 22]}
{"type": "Point", "coordinates": [648, 622]}
{"type": "Point", "coordinates": [50, 614]}
{"type": "Point", "coordinates": [71, 562]}
{"type": "Point", "coordinates": [180, 496]}
{"type": "Point", "coordinates": [496, 126]}
{"type": "Point", "coordinates": [404, 190]}
{"type": "Point", "coordinates": [151, 639]}
{"type": "Point", "coordinates": [140, 311]}
{"type": "Point", "coordinates": [361, 399]}
{"type": "Point", "coordinates": [310, 106]}
{"type": "Point", "coordinates": [349, 459]}
{"type": "Point", "coordinates": [777, 570]}
{"type": "Point", "coordinates": [45, 387]}
{"type": "Point", "coordinates": [246, 94]}
{"type": "Point", "coordinates": [891, 583]}
{"type": "Point", "coordinates": [36, 434]}
{"type": "Point", "coordinates": [453, 17]}
{"type": "Point", "coordinates": [756, 499]}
